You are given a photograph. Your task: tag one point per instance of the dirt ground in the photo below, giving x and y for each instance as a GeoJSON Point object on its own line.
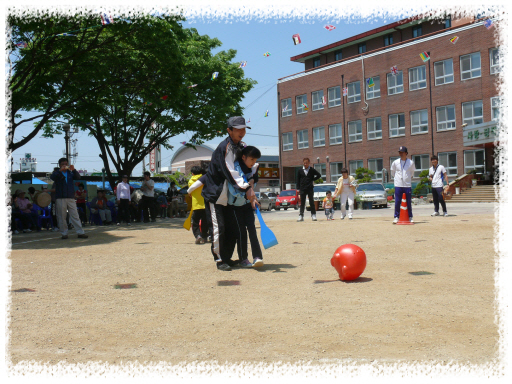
{"type": "Point", "coordinates": [292, 309]}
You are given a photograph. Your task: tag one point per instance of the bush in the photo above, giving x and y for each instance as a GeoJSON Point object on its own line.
{"type": "Point", "coordinates": [364, 175]}
{"type": "Point", "coordinates": [424, 184]}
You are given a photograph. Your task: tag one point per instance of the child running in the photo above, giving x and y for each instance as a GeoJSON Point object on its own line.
{"type": "Point", "coordinates": [328, 205]}
{"type": "Point", "coordinates": [199, 212]}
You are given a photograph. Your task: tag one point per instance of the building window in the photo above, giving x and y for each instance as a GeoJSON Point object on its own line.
{"type": "Point", "coordinates": [316, 98]}
{"type": "Point", "coordinates": [272, 165]}
{"type": "Point", "coordinates": [445, 117]}
{"type": "Point", "coordinates": [448, 21]}
{"type": "Point", "coordinates": [374, 128]}
{"type": "Point", "coordinates": [273, 183]}
{"type": "Point", "coordinates": [443, 71]}
{"type": "Point", "coordinates": [355, 131]}
{"type": "Point", "coordinates": [353, 165]}
{"type": "Point", "coordinates": [373, 92]}
{"type": "Point", "coordinates": [321, 168]}
{"type": "Point", "coordinates": [361, 47]}
{"type": "Point", "coordinates": [302, 139]}
{"type": "Point", "coordinates": [419, 122]}
{"type": "Point", "coordinates": [417, 78]}
{"type": "Point", "coordinates": [495, 108]}
{"type": "Point", "coordinates": [470, 66]}
{"type": "Point", "coordinates": [336, 171]}
{"type": "Point", "coordinates": [421, 163]}
{"type": "Point", "coordinates": [286, 107]}
{"type": "Point", "coordinates": [395, 83]}
{"type": "Point", "coordinates": [316, 62]}
{"type": "Point", "coordinates": [338, 55]}
{"type": "Point", "coordinates": [287, 141]}
{"type": "Point", "coordinates": [299, 101]}
{"type": "Point", "coordinates": [334, 95]}
{"type": "Point", "coordinates": [335, 134]}
{"type": "Point", "coordinates": [416, 31]}
{"type": "Point", "coordinates": [388, 39]}
{"type": "Point", "coordinates": [391, 161]}
{"type": "Point", "coordinates": [376, 166]}
{"type": "Point", "coordinates": [354, 92]}
{"type": "Point", "coordinates": [397, 125]}
{"type": "Point", "coordinates": [472, 113]}
{"type": "Point", "coordinates": [319, 137]}
{"type": "Point", "coordinates": [494, 58]}
{"type": "Point", "coordinates": [449, 161]}
{"type": "Point", "coordinates": [474, 159]}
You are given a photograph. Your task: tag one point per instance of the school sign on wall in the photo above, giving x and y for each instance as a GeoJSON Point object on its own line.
{"type": "Point", "coordinates": [480, 134]}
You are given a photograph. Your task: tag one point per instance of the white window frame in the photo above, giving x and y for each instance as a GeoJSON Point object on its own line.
{"type": "Point", "coordinates": [372, 128]}
{"type": "Point", "coordinates": [396, 88]}
{"type": "Point", "coordinates": [284, 103]}
{"type": "Point", "coordinates": [471, 120]}
{"type": "Point", "coordinates": [421, 74]}
{"type": "Point", "coordinates": [422, 127]}
{"type": "Point", "coordinates": [495, 108]}
{"type": "Point", "coordinates": [320, 141]}
{"type": "Point", "coordinates": [495, 66]}
{"type": "Point", "coordinates": [450, 170]}
{"type": "Point", "coordinates": [373, 92]}
{"type": "Point", "coordinates": [446, 124]}
{"type": "Point", "coordinates": [445, 77]}
{"type": "Point", "coordinates": [354, 124]}
{"type": "Point", "coordinates": [473, 152]}
{"type": "Point", "coordinates": [302, 142]}
{"type": "Point", "coordinates": [424, 161]}
{"type": "Point", "coordinates": [335, 175]}
{"type": "Point", "coordinates": [322, 169]}
{"type": "Point", "coordinates": [352, 169]}
{"type": "Point", "coordinates": [391, 161]}
{"type": "Point", "coordinates": [373, 165]}
{"type": "Point", "coordinates": [335, 139]}
{"type": "Point", "coordinates": [287, 141]}
{"type": "Point", "coordinates": [335, 100]}
{"type": "Point", "coordinates": [398, 130]}
{"type": "Point", "coordinates": [354, 94]}
{"type": "Point", "coordinates": [475, 70]}
{"type": "Point", "coordinates": [299, 100]}
{"type": "Point", "coordinates": [316, 100]}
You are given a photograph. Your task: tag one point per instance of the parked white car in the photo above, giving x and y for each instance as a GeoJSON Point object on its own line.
{"type": "Point", "coordinates": [374, 192]}
{"type": "Point", "coordinates": [319, 194]}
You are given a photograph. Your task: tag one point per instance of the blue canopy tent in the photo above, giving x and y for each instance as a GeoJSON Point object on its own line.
{"type": "Point", "coordinates": [35, 180]}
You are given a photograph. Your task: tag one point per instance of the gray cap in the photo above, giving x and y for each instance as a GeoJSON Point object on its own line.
{"type": "Point", "coordinates": [237, 122]}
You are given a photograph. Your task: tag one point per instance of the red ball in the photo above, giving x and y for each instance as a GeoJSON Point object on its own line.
{"type": "Point", "coordinates": [350, 261]}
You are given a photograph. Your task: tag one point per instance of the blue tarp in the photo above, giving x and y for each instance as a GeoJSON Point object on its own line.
{"type": "Point", "coordinates": [35, 180]}
{"type": "Point", "coordinates": [137, 184]}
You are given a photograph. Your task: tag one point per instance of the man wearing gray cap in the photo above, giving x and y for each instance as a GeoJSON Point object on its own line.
{"type": "Point", "coordinates": [402, 170]}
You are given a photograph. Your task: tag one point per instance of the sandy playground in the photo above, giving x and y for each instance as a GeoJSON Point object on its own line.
{"type": "Point", "coordinates": [293, 309]}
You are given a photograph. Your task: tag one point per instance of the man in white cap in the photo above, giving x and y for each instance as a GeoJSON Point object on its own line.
{"type": "Point", "coordinates": [402, 170]}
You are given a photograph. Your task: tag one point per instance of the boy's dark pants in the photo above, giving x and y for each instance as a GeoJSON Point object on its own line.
{"type": "Point", "coordinates": [243, 219]}
{"type": "Point", "coordinates": [223, 241]}
{"type": "Point", "coordinates": [199, 215]}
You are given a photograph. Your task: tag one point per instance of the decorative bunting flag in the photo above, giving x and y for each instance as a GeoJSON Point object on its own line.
{"type": "Point", "coordinates": [22, 44]}
{"type": "Point", "coordinates": [488, 23]}
{"type": "Point", "coordinates": [164, 97]}
{"type": "Point", "coordinates": [323, 101]}
{"type": "Point", "coordinates": [147, 103]}
{"type": "Point", "coordinates": [106, 19]}
{"type": "Point", "coordinates": [66, 34]}
{"type": "Point", "coordinates": [370, 82]}
{"type": "Point", "coordinates": [345, 91]}
{"type": "Point", "coordinates": [266, 113]}
{"type": "Point", "coordinates": [242, 64]}
{"type": "Point", "coordinates": [394, 70]}
{"type": "Point", "coordinates": [454, 39]}
{"type": "Point", "coordinates": [296, 39]}
{"type": "Point", "coordinates": [285, 108]}
{"type": "Point", "coordinates": [215, 75]}
{"type": "Point", "coordinates": [424, 56]}
{"type": "Point", "coordinates": [183, 142]}
{"type": "Point", "coordinates": [266, 54]}
{"type": "Point", "coordinates": [248, 121]}
{"type": "Point", "coordinates": [330, 27]}
{"type": "Point", "coordinates": [192, 86]}
{"type": "Point", "coordinates": [90, 124]}
{"type": "Point", "coordinates": [305, 106]}
{"type": "Point", "coordinates": [193, 141]}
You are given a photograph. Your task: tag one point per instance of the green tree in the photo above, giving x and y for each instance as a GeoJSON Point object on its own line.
{"type": "Point", "coordinates": [423, 185]}
{"type": "Point", "coordinates": [364, 175]}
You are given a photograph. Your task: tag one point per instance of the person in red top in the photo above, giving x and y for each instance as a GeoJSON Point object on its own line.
{"type": "Point", "coordinates": [81, 199]}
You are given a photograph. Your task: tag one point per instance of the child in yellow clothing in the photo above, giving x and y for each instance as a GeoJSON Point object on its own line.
{"type": "Point", "coordinates": [328, 205]}
{"type": "Point", "coordinates": [199, 212]}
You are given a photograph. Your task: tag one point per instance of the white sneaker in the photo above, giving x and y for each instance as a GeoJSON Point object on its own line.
{"type": "Point", "coordinates": [301, 218]}
{"type": "Point", "coordinates": [55, 229]}
{"type": "Point", "coordinates": [445, 214]}
{"type": "Point", "coordinates": [435, 214]}
{"type": "Point", "coordinates": [350, 217]}
{"type": "Point", "coordinates": [411, 220]}
{"type": "Point", "coordinates": [118, 224]}
{"type": "Point", "coordinates": [395, 220]}
{"type": "Point", "coordinates": [313, 217]}
{"type": "Point", "coordinates": [342, 217]}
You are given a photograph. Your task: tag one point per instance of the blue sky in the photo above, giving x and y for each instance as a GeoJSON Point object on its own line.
{"type": "Point", "coordinates": [251, 39]}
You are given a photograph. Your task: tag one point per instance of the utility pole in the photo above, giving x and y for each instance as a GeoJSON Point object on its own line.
{"type": "Point", "coordinates": [66, 128]}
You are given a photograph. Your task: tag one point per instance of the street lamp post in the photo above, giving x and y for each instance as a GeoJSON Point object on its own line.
{"type": "Point", "coordinates": [66, 128]}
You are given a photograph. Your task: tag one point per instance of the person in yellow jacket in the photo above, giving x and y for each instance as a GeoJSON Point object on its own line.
{"type": "Point", "coordinates": [198, 208]}
{"type": "Point", "coordinates": [346, 187]}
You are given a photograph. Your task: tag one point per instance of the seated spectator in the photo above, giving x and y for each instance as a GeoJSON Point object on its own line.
{"type": "Point", "coordinates": [16, 214]}
{"type": "Point", "coordinates": [173, 197]}
{"type": "Point", "coordinates": [31, 194]}
{"type": "Point", "coordinates": [25, 208]}
{"type": "Point", "coordinates": [81, 199]}
{"type": "Point", "coordinates": [99, 205]}
{"type": "Point", "coordinates": [162, 205]}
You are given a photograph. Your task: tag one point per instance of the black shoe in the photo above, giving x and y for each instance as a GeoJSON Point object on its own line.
{"type": "Point", "coordinates": [82, 236]}
{"type": "Point", "coordinates": [233, 263]}
{"type": "Point", "coordinates": [64, 237]}
{"type": "Point", "coordinates": [223, 267]}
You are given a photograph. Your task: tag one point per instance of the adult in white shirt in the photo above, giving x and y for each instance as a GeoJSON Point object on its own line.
{"type": "Point", "coordinates": [402, 170]}
{"type": "Point", "coordinates": [148, 199]}
{"type": "Point", "coordinates": [437, 175]}
{"type": "Point", "coordinates": [346, 188]}
{"type": "Point", "coordinates": [123, 200]}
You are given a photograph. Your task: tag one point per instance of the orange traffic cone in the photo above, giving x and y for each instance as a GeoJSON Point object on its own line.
{"type": "Point", "coordinates": [404, 213]}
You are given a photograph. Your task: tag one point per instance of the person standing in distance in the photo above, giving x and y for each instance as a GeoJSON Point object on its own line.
{"type": "Point", "coordinates": [437, 175]}
{"type": "Point", "coordinates": [64, 178]}
{"type": "Point", "coordinates": [147, 201]}
{"type": "Point", "coordinates": [346, 187]}
{"type": "Point", "coordinates": [402, 171]}
{"type": "Point", "coordinates": [305, 183]}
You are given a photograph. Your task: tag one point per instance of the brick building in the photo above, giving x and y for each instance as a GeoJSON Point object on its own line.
{"type": "Point", "coordinates": [431, 107]}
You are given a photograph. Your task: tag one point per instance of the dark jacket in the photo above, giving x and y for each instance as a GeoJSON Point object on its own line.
{"type": "Point", "coordinates": [222, 169]}
{"type": "Point", "coordinates": [305, 182]}
{"type": "Point", "coordinates": [65, 190]}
